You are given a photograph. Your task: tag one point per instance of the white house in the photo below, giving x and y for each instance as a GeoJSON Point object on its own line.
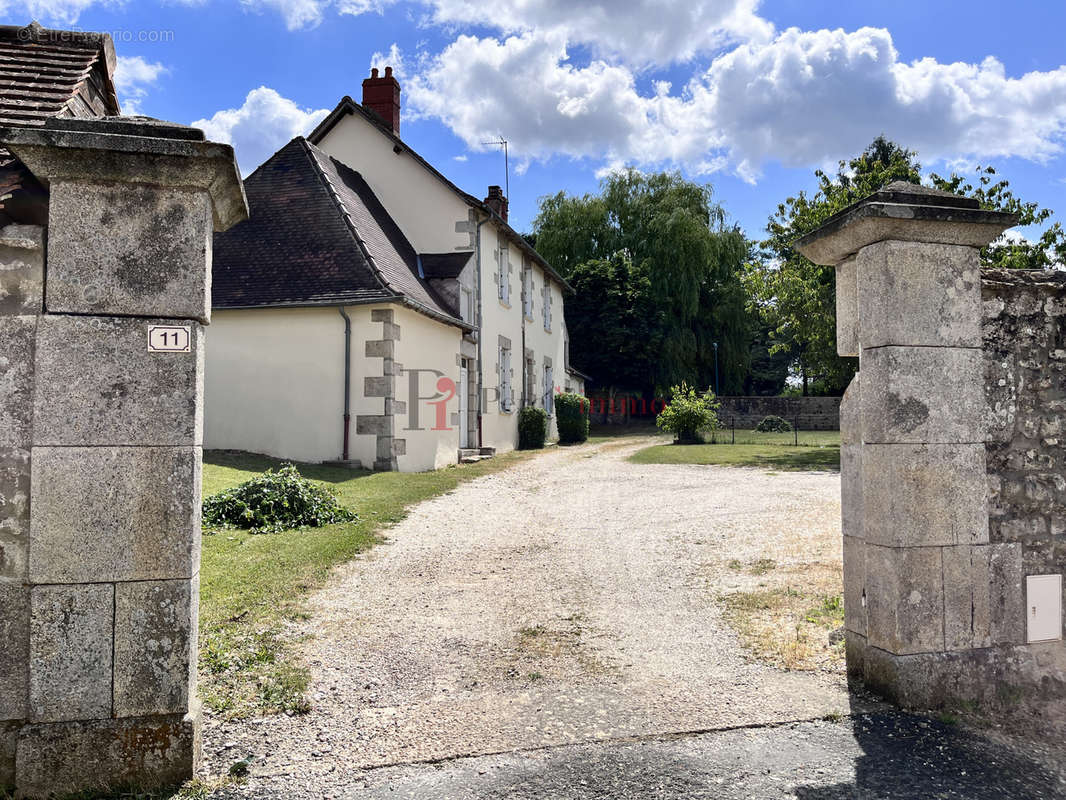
{"type": "Point", "coordinates": [370, 311]}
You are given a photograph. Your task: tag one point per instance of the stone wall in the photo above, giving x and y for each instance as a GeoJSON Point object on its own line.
{"type": "Point", "coordinates": [807, 413]}
{"type": "Point", "coordinates": [1025, 383]}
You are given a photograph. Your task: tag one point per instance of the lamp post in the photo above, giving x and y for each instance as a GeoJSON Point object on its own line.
{"type": "Point", "coordinates": [716, 369]}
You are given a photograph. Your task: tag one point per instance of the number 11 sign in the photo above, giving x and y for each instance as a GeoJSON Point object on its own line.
{"type": "Point", "coordinates": [169, 339]}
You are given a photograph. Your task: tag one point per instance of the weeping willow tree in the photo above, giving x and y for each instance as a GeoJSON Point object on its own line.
{"type": "Point", "coordinates": [657, 270]}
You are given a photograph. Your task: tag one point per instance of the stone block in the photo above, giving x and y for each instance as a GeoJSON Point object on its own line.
{"type": "Point", "coordinates": [130, 250]}
{"type": "Point", "coordinates": [854, 654]}
{"type": "Point", "coordinates": [984, 601]}
{"type": "Point", "coordinates": [115, 514]}
{"type": "Point", "coordinates": [924, 495]}
{"type": "Point", "coordinates": [14, 513]}
{"type": "Point", "coordinates": [847, 308]}
{"type": "Point", "coordinates": [855, 585]}
{"type": "Point", "coordinates": [155, 647]}
{"type": "Point", "coordinates": [967, 621]}
{"type": "Point", "coordinates": [381, 315]}
{"type": "Point", "coordinates": [15, 650]}
{"type": "Point", "coordinates": [917, 395]}
{"type": "Point", "coordinates": [851, 412]}
{"type": "Point", "coordinates": [851, 495]}
{"type": "Point", "coordinates": [914, 293]}
{"type": "Point", "coordinates": [17, 335]}
{"type": "Point", "coordinates": [21, 270]}
{"type": "Point", "coordinates": [905, 599]}
{"type": "Point", "coordinates": [372, 425]}
{"type": "Point", "coordinates": [9, 737]}
{"type": "Point", "coordinates": [379, 387]}
{"type": "Point", "coordinates": [97, 384]}
{"type": "Point", "coordinates": [71, 632]}
{"type": "Point", "coordinates": [390, 331]}
{"type": "Point", "coordinates": [1007, 618]}
{"type": "Point", "coordinates": [146, 753]}
{"type": "Point", "coordinates": [380, 348]}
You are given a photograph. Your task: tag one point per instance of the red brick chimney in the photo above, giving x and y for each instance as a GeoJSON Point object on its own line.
{"type": "Point", "coordinates": [497, 202]}
{"type": "Point", "coordinates": [382, 96]}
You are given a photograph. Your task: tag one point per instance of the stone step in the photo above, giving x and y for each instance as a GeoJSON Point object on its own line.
{"type": "Point", "coordinates": [488, 451]}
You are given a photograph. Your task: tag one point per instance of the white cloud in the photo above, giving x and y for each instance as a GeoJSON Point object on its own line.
{"type": "Point", "coordinates": [802, 98]}
{"type": "Point", "coordinates": [261, 126]}
{"type": "Point", "coordinates": [636, 31]}
{"type": "Point", "coordinates": [301, 14]}
{"type": "Point", "coordinates": [523, 89]}
{"type": "Point", "coordinates": [459, 158]}
{"type": "Point", "coordinates": [133, 76]}
{"type": "Point", "coordinates": [810, 96]}
{"type": "Point", "coordinates": [296, 13]}
{"type": "Point", "coordinates": [51, 12]}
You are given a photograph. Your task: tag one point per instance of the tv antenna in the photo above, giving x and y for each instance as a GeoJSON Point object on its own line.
{"type": "Point", "coordinates": [501, 142]}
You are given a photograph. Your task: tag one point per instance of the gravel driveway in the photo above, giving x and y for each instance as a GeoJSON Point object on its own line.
{"type": "Point", "coordinates": [569, 599]}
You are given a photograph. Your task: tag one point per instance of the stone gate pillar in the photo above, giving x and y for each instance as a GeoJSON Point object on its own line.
{"type": "Point", "coordinates": [924, 591]}
{"type": "Point", "coordinates": [104, 431]}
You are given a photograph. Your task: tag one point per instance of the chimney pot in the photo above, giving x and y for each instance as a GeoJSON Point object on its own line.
{"type": "Point", "coordinates": [382, 96]}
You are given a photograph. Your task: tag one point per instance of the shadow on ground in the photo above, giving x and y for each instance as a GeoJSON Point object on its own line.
{"type": "Point", "coordinates": [879, 755]}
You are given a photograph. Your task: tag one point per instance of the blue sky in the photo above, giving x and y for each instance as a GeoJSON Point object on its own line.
{"type": "Point", "coordinates": [749, 96]}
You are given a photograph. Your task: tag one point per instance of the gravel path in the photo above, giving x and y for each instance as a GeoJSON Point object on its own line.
{"type": "Point", "coordinates": [568, 600]}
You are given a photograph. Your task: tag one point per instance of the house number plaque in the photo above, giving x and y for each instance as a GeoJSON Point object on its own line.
{"type": "Point", "coordinates": [169, 339]}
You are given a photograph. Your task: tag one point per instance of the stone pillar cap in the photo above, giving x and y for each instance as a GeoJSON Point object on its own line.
{"type": "Point", "coordinates": [904, 212]}
{"type": "Point", "coordinates": [132, 150]}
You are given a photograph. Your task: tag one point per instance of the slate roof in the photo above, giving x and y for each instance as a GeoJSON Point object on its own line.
{"type": "Point", "coordinates": [348, 106]}
{"type": "Point", "coordinates": [444, 265]}
{"type": "Point", "coordinates": [317, 235]}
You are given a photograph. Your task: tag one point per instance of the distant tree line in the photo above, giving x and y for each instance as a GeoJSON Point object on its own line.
{"type": "Point", "coordinates": [662, 276]}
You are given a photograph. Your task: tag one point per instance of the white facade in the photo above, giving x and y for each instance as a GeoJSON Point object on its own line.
{"type": "Point", "coordinates": [274, 384]}
{"type": "Point", "coordinates": [435, 217]}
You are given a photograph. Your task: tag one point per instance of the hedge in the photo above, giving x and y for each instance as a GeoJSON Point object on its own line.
{"type": "Point", "coordinates": [572, 413]}
{"type": "Point", "coordinates": [532, 428]}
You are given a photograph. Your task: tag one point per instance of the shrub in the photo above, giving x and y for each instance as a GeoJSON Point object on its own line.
{"type": "Point", "coordinates": [689, 413]}
{"type": "Point", "coordinates": [572, 412]}
{"type": "Point", "coordinates": [774, 424]}
{"type": "Point", "coordinates": [275, 501]}
{"type": "Point", "coordinates": [532, 428]}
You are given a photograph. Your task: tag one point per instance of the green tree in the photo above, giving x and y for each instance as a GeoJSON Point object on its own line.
{"type": "Point", "coordinates": [657, 271]}
{"type": "Point", "coordinates": [796, 299]}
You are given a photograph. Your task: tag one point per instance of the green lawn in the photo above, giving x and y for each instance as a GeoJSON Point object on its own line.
{"type": "Point", "coordinates": [818, 450]}
{"type": "Point", "coordinates": [252, 587]}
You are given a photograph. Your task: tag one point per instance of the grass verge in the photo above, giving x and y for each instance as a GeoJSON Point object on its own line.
{"type": "Point", "coordinates": [791, 618]}
{"type": "Point", "coordinates": [253, 586]}
{"type": "Point", "coordinates": [818, 450]}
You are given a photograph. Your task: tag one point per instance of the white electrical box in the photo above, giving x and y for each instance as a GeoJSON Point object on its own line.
{"type": "Point", "coordinates": [1043, 607]}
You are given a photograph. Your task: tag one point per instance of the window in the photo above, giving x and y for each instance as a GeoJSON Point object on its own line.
{"type": "Point", "coordinates": [466, 306]}
{"type": "Point", "coordinates": [527, 292]}
{"type": "Point", "coordinates": [549, 391]}
{"type": "Point", "coordinates": [547, 301]}
{"type": "Point", "coordinates": [503, 277]}
{"type": "Point", "coordinates": [505, 378]}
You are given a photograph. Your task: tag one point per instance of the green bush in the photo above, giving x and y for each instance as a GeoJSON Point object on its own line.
{"type": "Point", "coordinates": [275, 501]}
{"type": "Point", "coordinates": [532, 428]}
{"type": "Point", "coordinates": [774, 424]}
{"type": "Point", "coordinates": [689, 413]}
{"type": "Point", "coordinates": [572, 412]}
